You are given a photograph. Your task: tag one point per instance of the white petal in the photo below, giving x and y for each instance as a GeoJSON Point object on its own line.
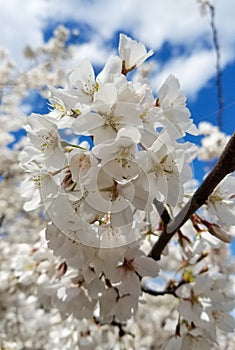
{"type": "Point", "coordinates": [85, 124]}
{"type": "Point", "coordinates": [130, 132]}
{"type": "Point", "coordinates": [146, 266]}
{"type": "Point", "coordinates": [130, 284]}
{"type": "Point", "coordinates": [122, 218]}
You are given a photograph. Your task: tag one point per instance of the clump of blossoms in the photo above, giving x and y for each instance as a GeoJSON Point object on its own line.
{"type": "Point", "coordinates": [105, 151]}
{"type": "Point", "coordinates": [213, 142]}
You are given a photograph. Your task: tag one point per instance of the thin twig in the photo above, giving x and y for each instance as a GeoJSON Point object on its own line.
{"type": "Point", "coordinates": [1, 219]}
{"type": "Point", "coordinates": [171, 289]}
{"type": "Point", "coordinates": [157, 293]}
{"type": "Point", "coordinates": [224, 166]}
{"type": "Point", "coordinates": [218, 65]}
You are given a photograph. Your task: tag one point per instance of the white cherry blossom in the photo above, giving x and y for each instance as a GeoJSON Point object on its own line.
{"type": "Point", "coordinates": [81, 82]}
{"type": "Point", "coordinates": [176, 116]}
{"type": "Point", "coordinates": [119, 158]}
{"type": "Point", "coordinates": [43, 134]}
{"type": "Point", "coordinates": [108, 115]}
{"type": "Point", "coordinates": [132, 53]}
{"type": "Point", "coordinates": [135, 265]}
{"type": "Point", "coordinates": [221, 202]}
{"type": "Point", "coordinates": [164, 167]}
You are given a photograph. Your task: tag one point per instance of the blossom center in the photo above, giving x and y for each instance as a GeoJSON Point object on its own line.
{"type": "Point", "coordinates": [49, 141]}
{"type": "Point", "coordinates": [84, 161]}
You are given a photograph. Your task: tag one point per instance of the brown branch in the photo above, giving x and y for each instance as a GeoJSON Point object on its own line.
{"type": "Point", "coordinates": [157, 293]}
{"type": "Point", "coordinates": [2, 219]}
{"type": "Point", "coordinates": [224, 166]}
{"type": "Point", "coordinates": [170, 289]}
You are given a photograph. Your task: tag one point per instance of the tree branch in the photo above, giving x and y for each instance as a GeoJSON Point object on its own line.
{"type": "Point", "coordinates": [157, 293]}
{"type": "Point", "coordinates": [2, 219]}
{"type": "Point", "coordinates": [170, 289]}
{"type": "Point", "coordinates": [224, 166]}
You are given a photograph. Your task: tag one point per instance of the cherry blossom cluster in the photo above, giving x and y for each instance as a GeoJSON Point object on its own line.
{"type": "Point", "coordinates": [106, 149]}
{"type": "Point", "coordinates": [213, 142]}
{"type": "Point", "coordinates": [100, 196]}
{"type": "Point", "coordinates": [134, 156]}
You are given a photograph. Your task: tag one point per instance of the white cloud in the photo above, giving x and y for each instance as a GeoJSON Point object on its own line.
{"type": "Point", "coordinates": [21, 24]}
{"type": "Point", "coordinates": [192, 71]}
{"type": "Point", "coordinates": [153, 22]}
{"type": "Point", "coordinates": [95, 51]}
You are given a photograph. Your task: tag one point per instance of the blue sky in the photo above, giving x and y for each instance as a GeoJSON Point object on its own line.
{"type": "Point", "coordinates": [176, 30]}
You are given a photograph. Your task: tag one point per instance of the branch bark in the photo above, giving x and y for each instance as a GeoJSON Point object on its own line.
{"type": "Point", "coordinates": [224, 166]}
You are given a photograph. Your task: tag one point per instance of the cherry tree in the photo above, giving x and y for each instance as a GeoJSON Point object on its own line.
{"type": "Point", "coordinates": [125, 250]}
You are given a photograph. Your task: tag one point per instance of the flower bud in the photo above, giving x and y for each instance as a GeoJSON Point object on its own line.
{"type": "Point", "coordinates": [220, 233]}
